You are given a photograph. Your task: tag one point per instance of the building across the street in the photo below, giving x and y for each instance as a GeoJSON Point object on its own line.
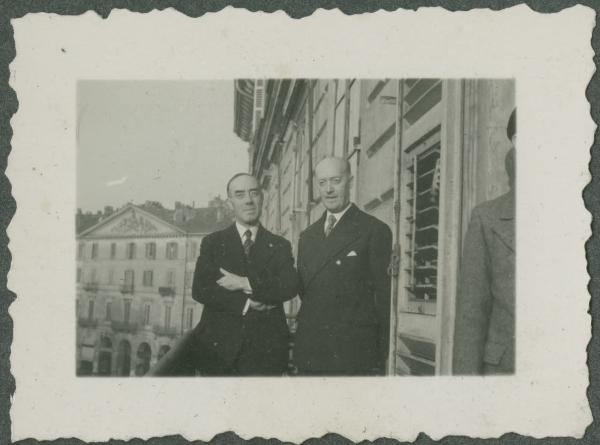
{"type": "Point", "coordinates": [134, 277]}
{"type": "Point", "coordinates": [424, 152]}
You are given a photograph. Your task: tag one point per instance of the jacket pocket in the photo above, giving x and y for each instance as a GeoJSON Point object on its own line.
{"type": "Point", "coordinates": [493, 353]}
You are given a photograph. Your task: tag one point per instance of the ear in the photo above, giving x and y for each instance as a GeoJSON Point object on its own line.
{"type": "Point", "coordinates": [229, 204]}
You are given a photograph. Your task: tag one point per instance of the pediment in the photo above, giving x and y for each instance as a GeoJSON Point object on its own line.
{"type": "Point", "coordinates": [132, 222]}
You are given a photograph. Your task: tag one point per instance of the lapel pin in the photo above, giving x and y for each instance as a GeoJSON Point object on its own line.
{"type": "Point", "coordinates": [338, 262]}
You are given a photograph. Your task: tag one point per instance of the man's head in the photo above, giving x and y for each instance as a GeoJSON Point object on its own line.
{"type": "Point", "coordinates": [333, 182]}
{"type": "Point", "coordinates": [511, 128]}
{"type": "Point", "coordinates": [245, 197]}
{"type": "Point", "coordinates": [509, 161]}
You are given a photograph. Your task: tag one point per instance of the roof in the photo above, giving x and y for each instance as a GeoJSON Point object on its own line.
{"type": "Point", "coordinates": [205, 220]}
{"type": "Point", "coordinates": [86, 220]}
{"type": "Point", "coordinates": [189, 220]}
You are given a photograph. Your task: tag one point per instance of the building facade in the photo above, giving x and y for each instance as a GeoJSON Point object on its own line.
{"type": "Point", "coordinates": [423, 152]}
{"type": "Point", "coordinates": [134, 278]}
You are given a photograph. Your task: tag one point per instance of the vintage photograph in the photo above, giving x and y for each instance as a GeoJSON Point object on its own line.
{"type": "Point", "coordinates": [261, 217]}
{"type": "Point", "coordinates": [296, 227]}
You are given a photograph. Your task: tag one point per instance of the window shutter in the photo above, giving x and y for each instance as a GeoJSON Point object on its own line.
{"type": "Point", "coordinates": [259, 103]}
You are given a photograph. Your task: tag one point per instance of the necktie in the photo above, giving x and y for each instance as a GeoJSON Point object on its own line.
{"type": "Point", "coordinates": [248, 241]}
{"type": "Point", "coordinates": [330, 223]}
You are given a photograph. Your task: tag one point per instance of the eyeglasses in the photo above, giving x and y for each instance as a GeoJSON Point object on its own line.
{"type": "Point", "coordinates": [241, 194]}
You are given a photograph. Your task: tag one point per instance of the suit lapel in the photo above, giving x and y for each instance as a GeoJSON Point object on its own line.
{"type": "Point", "coordinates": [324, 249]}
{"type": "Point", "coordinates": [504, 221]}
{"type": "Point", "coordinates": [234, 250]}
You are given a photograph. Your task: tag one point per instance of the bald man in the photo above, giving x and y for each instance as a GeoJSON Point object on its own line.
{"type": "Point", "coordinates": [343, 323]}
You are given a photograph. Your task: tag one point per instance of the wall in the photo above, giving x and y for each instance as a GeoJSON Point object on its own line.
{"type": "Point", "coordinates": [358, 119]}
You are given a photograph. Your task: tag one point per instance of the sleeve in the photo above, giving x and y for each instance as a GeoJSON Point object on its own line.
{"type": "Point", "coordinates": [380, 252]}
{"type": "Point", "coordinates": [205, 289]}
{"type": "Point", "coordinates": [276, 284]}
{"type": "Point", "coordinates": [472, 301]}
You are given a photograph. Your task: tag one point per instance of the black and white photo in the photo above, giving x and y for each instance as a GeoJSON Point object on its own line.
{"type": "Point", "coordinates": [326, 255]}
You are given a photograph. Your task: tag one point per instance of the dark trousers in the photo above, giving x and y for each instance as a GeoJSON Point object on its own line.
{"type": "Point", "coordinates": [247, 363]}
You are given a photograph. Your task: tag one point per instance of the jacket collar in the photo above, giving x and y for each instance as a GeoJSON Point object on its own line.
{"type": "Point", "coordinates": [262, 248]}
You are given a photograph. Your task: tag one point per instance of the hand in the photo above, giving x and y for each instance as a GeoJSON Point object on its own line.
{"type": "Point", "coordinates": [231, 281]}
{"type": "Point", "coordinates": [257, 306]}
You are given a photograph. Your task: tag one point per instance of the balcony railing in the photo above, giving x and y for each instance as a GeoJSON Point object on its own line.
{"type": "Point", "coordinates": [90, 287]}
{"type": "Point", "coordinates": [124, 326]}
{"type": "Point", "coordinates": [163, 331]}
{"type": "Point", "coordinates": [126, 288]}
{"type": "Point", "coordinates": [87, 322]}
{"type": "Point", "coordinates": [166, 291]}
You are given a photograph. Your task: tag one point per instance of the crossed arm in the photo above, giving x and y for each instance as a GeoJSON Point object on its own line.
{"type": "Point", "coordinates": [260, 290]}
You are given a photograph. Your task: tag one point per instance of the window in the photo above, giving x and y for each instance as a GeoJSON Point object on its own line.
{"type": "Point", "coordinates": [170, 278]}
{"type": "Point", "coordinates": [79, 273]}
{"type": "Point", "coordinates": [147, 278]}
{"type": "Point", "coordinates": [127, 311]}
{"type": "Point", "coordinates": [113, 251]}
{"type": "Point", "coordinates": [94, 251]}
{"type": "Point", "coordinates": [172, 251]}
{"type": "Point", "coordinates": [129, 276]}
{"type": "Point", "coordinates": [80, 251]}
{"type": "Point", "coordinates": [93, 278]}
{"type": "Point", "coordinates": [108, 316]}
{"type": "Point", "coordinates": [91, 310]}
{"type": "Point", "coordinates": [151, 251]}
{"type": "Point", "coordinates": [422, 201]}
{"type": "Point", "coordinates": [131, 251]}
{"type": "Point", "coordinates": [193, 250]}
{"type": "Point", "coordinates": [190, 317]}
{"type": "Point", "coordinates": [111, 276]}
{"type": "Point", "coordinates": [147, 314]}
{"type": "Point", "coordinates": [167, 317]}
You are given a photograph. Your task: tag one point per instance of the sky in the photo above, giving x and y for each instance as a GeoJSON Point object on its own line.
{"type": "Point", "coordinates": [162, 141]}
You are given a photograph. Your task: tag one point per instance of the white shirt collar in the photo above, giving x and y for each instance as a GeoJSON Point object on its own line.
{"type": "Point", "coordinates": [337, 215]}
{"type": "Point", "coordinates": [242, 229]}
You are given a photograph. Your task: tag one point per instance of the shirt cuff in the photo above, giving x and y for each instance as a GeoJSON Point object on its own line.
{"type": "Point", "coordinates": [247, 288]}
{"type": "Point", "coordinates": [246, 306]}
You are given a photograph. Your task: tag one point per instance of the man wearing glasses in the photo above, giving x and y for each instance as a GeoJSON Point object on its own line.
{"type": "Point", "coordinates": [243, 275]}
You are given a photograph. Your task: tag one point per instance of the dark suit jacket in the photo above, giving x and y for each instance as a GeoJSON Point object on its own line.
{"type": "Point", "coordinates": [484, 333]}
{"type": "Point", "coordinates": [272, 276]}
{"type": "Point", "coordinates": [343, 323]}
